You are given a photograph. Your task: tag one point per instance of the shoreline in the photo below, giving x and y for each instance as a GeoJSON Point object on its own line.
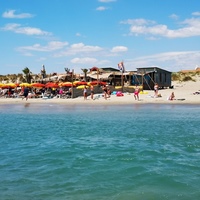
{"type": "Point", "coordinates": [127, 99]}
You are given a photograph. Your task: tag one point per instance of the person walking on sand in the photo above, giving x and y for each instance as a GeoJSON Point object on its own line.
{"type": "Point", "coordinates": [25, 95]}
{"type": "Point", "coordinates": [136, 93]}
{"type": "Point", "coordinates": [156, 90]}
{"type": "Point", "coordinates": [85, 92]}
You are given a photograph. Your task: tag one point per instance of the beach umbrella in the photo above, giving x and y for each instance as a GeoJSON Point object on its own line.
{"type": "Point", "coordinates": [81, 87]}
{"type": "Point", "coordinates": [97, 82]}
{"type": "Point", "coordinates": [25, 85]}
{"type": "Point", "coordinates": [66, 84]}
{"type": "Point", "coordinates": [1, 85]}
{"type": "Point", "coordinates": [51, 85]}
{"type": "Point", "coordinates": [88, 83]}
{"type": "Point", "coordinates": [77, 83]}
{"type": "Point", "coordinates": [38, 85]}
{"type": "Point", "coordinates": [12, 85]}
{"type": "Point", "coordinates": [8, 85]}
{"type": "Point", "coordinates": [17, 84]}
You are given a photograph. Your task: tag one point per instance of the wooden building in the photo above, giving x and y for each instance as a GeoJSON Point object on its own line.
{"type": "Point", "coordinates": [148, 76]}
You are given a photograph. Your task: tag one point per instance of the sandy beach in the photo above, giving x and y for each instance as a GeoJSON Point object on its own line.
{"type": "Point", "coordinates": [184, 94]}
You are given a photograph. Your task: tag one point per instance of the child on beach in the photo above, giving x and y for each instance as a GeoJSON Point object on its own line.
{"type": "Point", "coordinates": [171, 97]}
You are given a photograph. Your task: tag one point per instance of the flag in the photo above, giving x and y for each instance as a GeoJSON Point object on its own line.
{"type": "Point", "coordinates": [121, 67]}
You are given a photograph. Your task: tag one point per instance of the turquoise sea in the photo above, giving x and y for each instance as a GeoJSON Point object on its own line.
{"type": "Point", "coordinates": [126, 152]}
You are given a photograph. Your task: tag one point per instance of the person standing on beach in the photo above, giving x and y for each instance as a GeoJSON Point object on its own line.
{"type": "Point", "coordinates": [85, 92]}
{"type": "Point", "coordinates": [136, 93]}
{"type": "Point", "coordinates": [108, 92]}
{"type": "Point", "coordinates": [156, 90]}
{"type": "Point", "coordinates": [105, 91]}
{"type": "Point", "coordinates": [25, 95]}
{"type": "Point", "coordinates": [92, 91]}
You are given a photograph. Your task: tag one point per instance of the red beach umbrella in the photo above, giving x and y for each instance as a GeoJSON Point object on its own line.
{"type": "Point", "coordinates": [6, 87]}
{"type": "Point", "coordinates": [17, 84]}
{"type": "Point", "coordinates": [51, 85]}
{"type": "Point", "coordinates": [80, 83]}
{"type": "Point", "coordinates": [97, 82]}
{"type": "Point", "coordinates": [38, 85]}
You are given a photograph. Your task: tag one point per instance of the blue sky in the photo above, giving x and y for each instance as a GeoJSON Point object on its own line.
{"type": "Point", "coordinates": [81, 34]}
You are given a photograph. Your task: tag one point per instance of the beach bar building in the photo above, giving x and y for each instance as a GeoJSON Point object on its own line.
{"type": "Point", "coordinates": [148, 76]}
{"type": "Point", "coordinates": [145, 77]}
{"type": "Point", "coordinates": [109, 75]}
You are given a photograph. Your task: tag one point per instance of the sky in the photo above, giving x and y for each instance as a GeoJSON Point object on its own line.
{"type": "Point", "coordinates": [81, 34]}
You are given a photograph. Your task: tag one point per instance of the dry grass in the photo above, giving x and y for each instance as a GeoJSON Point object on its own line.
{"type": "Point", "coordinates": [183, 77]}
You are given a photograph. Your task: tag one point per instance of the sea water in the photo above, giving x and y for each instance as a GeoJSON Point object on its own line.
{"type": "Point", "coordinates": [119, 152]}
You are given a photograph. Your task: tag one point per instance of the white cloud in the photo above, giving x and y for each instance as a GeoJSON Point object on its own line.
{"type": "Point", "coordinates": [79, 48]}
{"type": "Point", "coordinates": [174, 16]}
{"type": "Point", "coordinates": [17, 28]}
{"type": "Point", "coordinates": [11, 14]}
{"type": "Point", "coordinates": [51, 46]}
{"type": "Point", "coordinates": [78, 34]}
{"type": "Point", "coordinates": [101, 8]}
{"type": "Point", "coordinates": [85, 60]}
{"type": "Point", "coordinates": [106, 1]}
{"type": "Point", "coordinates": [138, 22]}
{"type": "Point", "coordinates": [119, 49]}
{"type": "Point", "coordinates": [190, 27]}
{"type": "Point", "coordinates": [196, 13]}
{"type": "Point", "coordinates": [171, 61]}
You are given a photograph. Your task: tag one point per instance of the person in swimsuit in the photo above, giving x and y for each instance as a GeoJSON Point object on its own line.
{"type": "Point", "coordinates": [85, 93]}
{"type": "Point", "coordinates": [156, 90]}
{"type": "Point", "coordinates": [105, 91]}
{"type": "Point", "coordinates": [171, 97]}
{"type": "Point", "coordinates": [69, 93]}
{"type": "Point", "coordinates": [136, 93]}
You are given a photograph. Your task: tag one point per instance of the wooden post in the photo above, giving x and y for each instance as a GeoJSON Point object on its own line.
{"type": "Point", "coordinates": [98, 77]}
{"type": "Point", "coordinates": [72, 84]}
{"type": "Point", "coordinates": [122, 82]}
{"type": "Point", "coordinates": [114, 79]}
{"type": "Point", "coordinates": [142, 81]}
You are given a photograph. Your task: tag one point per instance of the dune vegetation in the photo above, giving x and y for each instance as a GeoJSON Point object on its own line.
{"type": "Point", "coordinates": [188, 76]}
